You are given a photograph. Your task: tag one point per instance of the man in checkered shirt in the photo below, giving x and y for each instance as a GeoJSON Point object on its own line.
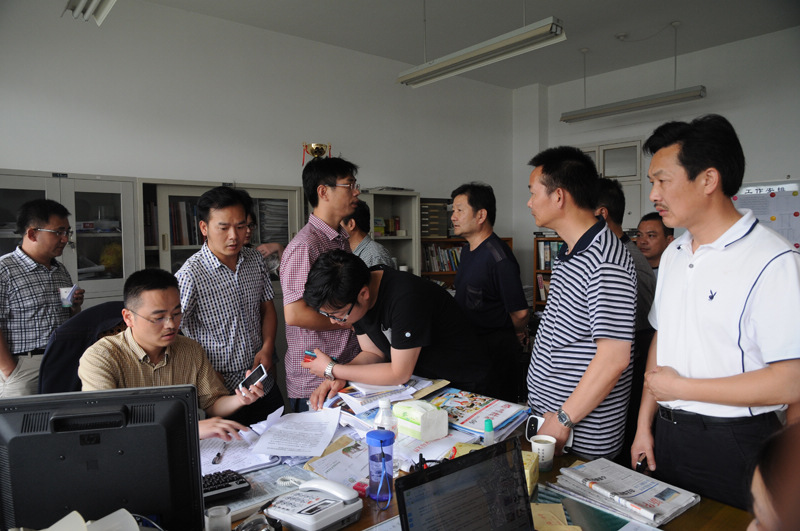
{"type": "Point", "coordinates": [331, 189]}
{"type": "Point", "coordinates": [30, 303]}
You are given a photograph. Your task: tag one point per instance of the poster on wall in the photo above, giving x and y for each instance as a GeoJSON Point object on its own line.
{"type": "Point", "coordinates": [776, 205]}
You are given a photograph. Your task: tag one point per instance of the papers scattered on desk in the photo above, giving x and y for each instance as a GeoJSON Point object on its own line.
{"type": "Point", "coordinates": [238, 455]}
{"type": "Point", "coordinates": [467, 412]}
{"type": "Point", "coordinates": [347, 463]}
{"type": "Point", "coordinates": [624, 491]}
{"type": "Point", "coordinates": [299, 434]}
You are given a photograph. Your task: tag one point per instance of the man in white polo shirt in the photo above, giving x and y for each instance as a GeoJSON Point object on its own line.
{"type": "Point", "coordinates": [726, 355]}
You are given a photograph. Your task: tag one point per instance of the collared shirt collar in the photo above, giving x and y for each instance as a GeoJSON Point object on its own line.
{"type": "Point", "coordinates": [138, 352]}
{"type": "Point", "coordinates": [30, 263]}
{"type": "Point", "coordinates": [211, 259]}
{"type": "Point", "coordinates": [326, 229]}
{"type": "Point", "coordinates": [584, 241]}
{"type": "Point", "coordinates": [736, 232]}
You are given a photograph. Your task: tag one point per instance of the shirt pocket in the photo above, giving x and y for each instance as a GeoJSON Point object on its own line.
{"type": "Point", "coordinates": [474, 299]}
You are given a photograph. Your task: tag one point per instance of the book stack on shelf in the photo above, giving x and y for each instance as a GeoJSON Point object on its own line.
{"type": "Point", "coordinates": [184, 223]}
{"type": "Point", "coordinates": [441, 259]}
{"type": "Point", "coordinates": [545, 252]}
{"type": "Point", "coordinates": [434, 218]}
{"type": "Point", "coordinates": [150, 222]}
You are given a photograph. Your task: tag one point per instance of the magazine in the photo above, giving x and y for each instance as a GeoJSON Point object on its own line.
{"type": "Point", "coordinates": [467, 411]}
{"type": "Point", "coordinates": [637, 496]}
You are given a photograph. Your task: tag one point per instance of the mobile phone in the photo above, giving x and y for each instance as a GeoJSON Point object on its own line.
{"type": "Point", "coordinates": [641, 464]}
{"type": "Point", "coordinates": [309, 356]}
{"type": "Point", "coordinates": [256, 376]}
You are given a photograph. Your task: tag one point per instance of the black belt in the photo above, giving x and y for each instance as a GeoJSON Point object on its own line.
{"type": "Point", "coordinates": [677, 416]}
{"type": "Point", "coordinates": [34, 352]}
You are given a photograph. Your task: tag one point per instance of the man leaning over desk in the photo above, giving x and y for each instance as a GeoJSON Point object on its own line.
{"type": "Point", "coordinates": [405, 325]}
{"type": "Point", "coordinates": [150, 352]}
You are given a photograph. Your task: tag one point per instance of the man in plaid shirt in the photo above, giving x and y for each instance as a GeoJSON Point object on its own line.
{"type": "Point", "coordinates": [331, 189]}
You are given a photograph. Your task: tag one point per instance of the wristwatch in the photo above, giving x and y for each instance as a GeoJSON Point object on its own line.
{"type": "Point", "coordinates": [329, 371]}
{"type": "Point", "coordinates": [562, 417]}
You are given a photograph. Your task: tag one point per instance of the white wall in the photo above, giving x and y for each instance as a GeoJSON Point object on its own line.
{"type": "Point", "coordinates": [754, 83]}
{"type": "Point", "coordinates": [161, 93]}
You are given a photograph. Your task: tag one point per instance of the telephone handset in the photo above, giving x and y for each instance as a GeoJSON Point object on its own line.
{"type": "Point", "coordinates": [317, 504]}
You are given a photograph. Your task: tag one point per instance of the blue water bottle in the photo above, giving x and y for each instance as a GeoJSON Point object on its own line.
{"type": "Point", "coordinates": [381, 480]}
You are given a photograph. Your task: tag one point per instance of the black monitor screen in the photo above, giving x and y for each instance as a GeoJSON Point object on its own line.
{"type": "Point", "coordinates": [96, 452]}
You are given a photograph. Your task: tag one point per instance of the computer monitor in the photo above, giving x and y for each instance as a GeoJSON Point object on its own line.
{"type": "Point", "coordinates": [96, 452]}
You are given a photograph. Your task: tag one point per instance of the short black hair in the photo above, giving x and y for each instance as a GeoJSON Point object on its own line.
{"type": "Point", "coordinates": [611, 196]}
{"type": "Point", "coordinates": [573, 170]}
{"type": "Point", "coordinates": [709, 141]}
{"type": "Point", "coordinates": [223, 197]}
{"type": "Point", "coordinates": [146, 280]}
{"type": "Point", "coordinates": [479, 196]}
{"type": "Point", "coordinates": [37, 213]}
{"type": "Point", "coordinates": [335, 280]}
{"type": "Point", "coordinates": [325, 171]}
{"type": "Point", "coordinates": [655, 216]}
{"type": "Point", "coordinates": [361, 216]}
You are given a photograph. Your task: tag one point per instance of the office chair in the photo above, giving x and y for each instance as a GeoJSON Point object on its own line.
{"type": "Point", "coordinates": [59, 370]}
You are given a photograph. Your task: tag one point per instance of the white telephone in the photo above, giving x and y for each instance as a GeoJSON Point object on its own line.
{"type": "Point", "coordinates": [317, 504]}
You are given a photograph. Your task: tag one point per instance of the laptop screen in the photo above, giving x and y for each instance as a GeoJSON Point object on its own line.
{"type": "Point", "coordinates": [484, 489]}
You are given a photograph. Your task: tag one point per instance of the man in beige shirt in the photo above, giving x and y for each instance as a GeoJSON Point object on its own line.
{"type": "Point", "coordinates": [151, 353]}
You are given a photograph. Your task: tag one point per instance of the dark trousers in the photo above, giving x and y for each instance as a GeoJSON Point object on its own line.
{"type": "Point", "coordinates": [641, 346]}
{"type": "Point", "coordinates": [714, 460]}
{"type": "Point", "coordinates": [260, 409]}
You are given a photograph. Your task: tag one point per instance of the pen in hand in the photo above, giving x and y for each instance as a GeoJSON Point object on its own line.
{"type": "Point", "coordinates": [218, 458]}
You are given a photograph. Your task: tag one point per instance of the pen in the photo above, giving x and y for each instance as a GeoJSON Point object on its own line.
{"type": "Point", "coordinates": [218, 458]}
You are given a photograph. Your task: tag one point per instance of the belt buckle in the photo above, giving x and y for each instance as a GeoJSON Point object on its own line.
{"type": "Point", "coordinates": [667, 414]}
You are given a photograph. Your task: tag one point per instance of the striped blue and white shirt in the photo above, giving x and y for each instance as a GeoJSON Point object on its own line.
{"type": "Point", "coordinates": [592, 296]}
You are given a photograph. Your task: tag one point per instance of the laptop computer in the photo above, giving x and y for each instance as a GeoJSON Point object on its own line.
{"type": "Point", "coordinates": [484, 489]}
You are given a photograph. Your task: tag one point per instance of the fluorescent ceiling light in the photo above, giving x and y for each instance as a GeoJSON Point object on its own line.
{"type": "Point", "coordinates": [636, 104]}
{"type": "Point", "coordinates": [97, 9]}
{"type": "Point", "coordinates": [525, 39]}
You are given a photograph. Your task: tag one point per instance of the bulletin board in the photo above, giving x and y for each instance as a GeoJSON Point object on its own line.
{"type": "Point", "coordinates": [776, 205]}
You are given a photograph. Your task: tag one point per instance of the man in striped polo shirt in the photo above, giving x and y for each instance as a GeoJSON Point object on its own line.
{"type": "Point", "coordinates": [580, 373]}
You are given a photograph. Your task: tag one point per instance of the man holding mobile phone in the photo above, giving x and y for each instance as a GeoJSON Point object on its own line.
{"type": "Point", "coordinates": [150, 352]}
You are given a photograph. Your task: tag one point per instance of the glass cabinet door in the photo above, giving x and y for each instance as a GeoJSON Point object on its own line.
{"type": "Point", "coordinates": [621, 161]}
{"type": "Point", "coordinates": [103, 242]}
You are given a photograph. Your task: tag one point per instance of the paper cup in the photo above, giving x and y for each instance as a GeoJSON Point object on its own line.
{"type": "Point", "coordinates": [545, 447]}
{"type": "Point", "coordinates": [66, 299]}
{"type": "Point", "coordinates": [218, 518]}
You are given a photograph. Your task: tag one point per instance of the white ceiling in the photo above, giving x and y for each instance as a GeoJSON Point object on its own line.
{"type": "Point", "coordinates": [394, 29]}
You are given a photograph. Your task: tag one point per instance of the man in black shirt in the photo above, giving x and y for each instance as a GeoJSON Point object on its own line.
{"type": "Point", "coordinates": [405, 325]}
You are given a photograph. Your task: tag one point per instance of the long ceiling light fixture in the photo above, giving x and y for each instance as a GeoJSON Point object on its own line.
{"type": "Point", "coordinates": [636, 104]}
{"type": "Point", "coordinates": [86, 9]}
{"type": "Point", "coordinates": [526, 39]}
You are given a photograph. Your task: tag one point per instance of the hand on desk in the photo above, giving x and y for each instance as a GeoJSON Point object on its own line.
{"type": "Point", "coordinates": [555, 429]}
{"type": "Point", "coordinates": [662, 383]}
{"type": "Point", "coordinates": [326, 390]}
{"type": "Point", "coordinates": [223, 428]}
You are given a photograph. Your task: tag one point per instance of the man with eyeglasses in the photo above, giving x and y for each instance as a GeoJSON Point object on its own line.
{"type": "Point", "coordinates": [150, 353]}
{"type": "Point", "coordinates": [405, 325]}
{"type": "Point", "coordinates": [30, 303]}
{"type": "Point", "coordinates": [226, 297]}
{"type": "Point", "coordinates": [331, 189]}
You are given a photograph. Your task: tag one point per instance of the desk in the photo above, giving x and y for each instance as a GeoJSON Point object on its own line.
{"type": "Point", "coordinates": [708, 515]}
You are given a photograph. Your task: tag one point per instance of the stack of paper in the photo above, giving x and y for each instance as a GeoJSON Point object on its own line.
{"type": "Point", "coordinates": [468, 412]}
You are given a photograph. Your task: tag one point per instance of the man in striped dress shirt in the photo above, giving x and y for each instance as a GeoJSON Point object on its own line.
{"type": "Point", "coordinates": [580, 373]}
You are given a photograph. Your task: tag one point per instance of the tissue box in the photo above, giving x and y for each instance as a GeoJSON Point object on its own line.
{"type": "Point", "coordinates": [530, 462]}
{"type": "Point", "coordinates": [420, 420]}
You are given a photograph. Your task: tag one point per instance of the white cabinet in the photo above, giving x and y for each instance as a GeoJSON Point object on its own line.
{"type": "Point", "coordinates": [103, 250]}
{"type": "Point", "coordinates": [399, 210]}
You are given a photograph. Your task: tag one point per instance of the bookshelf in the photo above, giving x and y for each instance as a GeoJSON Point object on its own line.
{"type": "Point", "coordinates": [544, 249]}
{"type": "Point", "coordinates": [395, 222]}
{"type": "Point", "coordinates": [441, 256]}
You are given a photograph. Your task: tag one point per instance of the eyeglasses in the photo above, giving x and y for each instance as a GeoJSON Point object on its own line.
{"type": "Point", "coordinates": [176, 318]}
{"type": "Point", "coordinates": [60, 233]}
{"type": "Point", "coordinates": [354, 186]}
{"type": "Point", "coordinates": [251, 226]}
{"type": "Point", "coordinates": [338, 319]}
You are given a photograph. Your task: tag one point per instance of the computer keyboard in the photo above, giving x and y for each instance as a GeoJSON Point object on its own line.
{"type": "Point", "coordinates": [223, 484]}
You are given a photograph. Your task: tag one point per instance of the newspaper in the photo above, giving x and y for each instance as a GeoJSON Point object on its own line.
{"type": "Point", "coordinates": [638, 496]}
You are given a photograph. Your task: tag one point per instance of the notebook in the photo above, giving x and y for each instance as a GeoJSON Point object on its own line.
{"type": "Point", "coordinates": [484, 489]}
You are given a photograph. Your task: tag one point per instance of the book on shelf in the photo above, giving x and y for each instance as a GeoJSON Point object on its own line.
{"type": "Point", "coordinates": [547, 255]}
{"type": "Point", "coordinates": [542, 290]}
{"type": "Point", "coordinates": [624, 491]}
{"type": "Point", "coordinates": [468, 412]}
